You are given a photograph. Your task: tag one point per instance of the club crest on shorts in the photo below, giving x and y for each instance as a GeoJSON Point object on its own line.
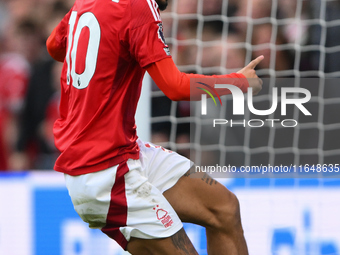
{"type": "Point", "coordinates": [163, 216]}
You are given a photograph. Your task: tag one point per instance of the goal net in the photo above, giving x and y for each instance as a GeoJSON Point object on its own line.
{"type": "Point", "coordinates": [300, 40]}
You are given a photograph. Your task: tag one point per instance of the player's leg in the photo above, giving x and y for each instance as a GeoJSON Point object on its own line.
{"type": "Point", "coordinates": [199, 199]}
{"type": "Point", "coordinates": [153, 227]}
{"type": "Point", "coordinates": [126, 207]}
{"type": "Point", "coordinates": [196, 198]}
{"type": "Point", "coordinates": [179, 244]}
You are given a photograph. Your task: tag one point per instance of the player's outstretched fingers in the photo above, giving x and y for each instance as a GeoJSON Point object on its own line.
{"type": "Point", "coordinates": [255, 62]}
{"type": "Point", "coordinates": [249, 70]}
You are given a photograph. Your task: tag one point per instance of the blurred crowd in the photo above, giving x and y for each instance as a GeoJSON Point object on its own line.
{"type": "Point", "coordinates": [29, 83]}
{"type": "Point", "coordinates": [205, 36]}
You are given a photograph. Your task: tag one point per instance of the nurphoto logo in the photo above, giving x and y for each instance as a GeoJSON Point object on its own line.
{"type": "Point", "coordinates": [238, 98]}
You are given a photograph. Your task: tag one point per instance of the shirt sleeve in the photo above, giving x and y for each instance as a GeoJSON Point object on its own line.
{"type": "Point", "coordinates": [177, 86]}
{"type": "Point", "coordinates": [147, 43]}
{"type": "Point", "coordinates": [57, 42]}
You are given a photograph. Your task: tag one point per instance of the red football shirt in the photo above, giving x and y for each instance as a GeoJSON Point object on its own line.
{"type": "Point", "coordinates": [108, 43]}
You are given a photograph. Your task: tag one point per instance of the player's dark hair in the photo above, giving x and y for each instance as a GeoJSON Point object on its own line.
{"type": "Point", "coordinates": [162, 5]}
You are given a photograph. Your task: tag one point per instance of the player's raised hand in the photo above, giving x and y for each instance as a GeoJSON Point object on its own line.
{"type": "Point", "coordinates": [249, 72]}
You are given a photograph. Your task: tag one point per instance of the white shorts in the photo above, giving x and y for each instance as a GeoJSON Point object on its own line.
{"type": "Point", "coordinates": [126, 200]}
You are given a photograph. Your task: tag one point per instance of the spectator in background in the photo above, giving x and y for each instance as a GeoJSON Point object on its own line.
{"type": "Point", "coordinates": [3, 18]}
{"type": "Point", "coordinates": [20, 42]}
{"type": "Point", "coordinates": [212, 7]}
{"type": "Point", "coordinates": [227, 55]}
{"type": "Point", "coordinates": [264, 43]}
{"type": "Point", "coordinates": [295, 31]}
{"type": "Point", "coordinates": [265, 36]}
{"type": "Point", "coordinates": [23, 32]}
{"type": "Point", "coordinates": [35, 147]}
{"type": "Point", "coordinates": [325, 36]}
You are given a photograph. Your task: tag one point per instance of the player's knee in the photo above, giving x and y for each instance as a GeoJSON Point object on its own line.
{"type": "Point", "coordinates": [226, 216]}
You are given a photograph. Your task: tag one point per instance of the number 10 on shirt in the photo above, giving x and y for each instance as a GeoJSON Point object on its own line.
{"type": "Point", "coordinates": [86, 20]}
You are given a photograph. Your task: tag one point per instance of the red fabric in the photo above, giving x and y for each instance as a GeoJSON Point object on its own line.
{"type": "Point", "coordinates": [82, 49]}
{"type": "Point", "coordinates": [14, 77]}
{"type": "Point", "coordinates": [56, 42]}
{"type": "Point", "coordinates": [96, 128]}
{"type": "Point", "coordinates": [176, 85]}
{"type": "Point", "coordinates": [117, 214]}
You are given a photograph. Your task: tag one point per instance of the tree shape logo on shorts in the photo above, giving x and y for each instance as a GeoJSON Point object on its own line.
{"type": "Point", "coordinates": [163, 216]}
{"type": "Point", "coordinates": [160, 213]}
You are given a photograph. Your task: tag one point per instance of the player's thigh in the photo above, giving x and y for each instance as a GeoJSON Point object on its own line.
{"type": "Point", "coordinates": [198, 198]}
{"type": "Point", "coordinates": [178, 243]}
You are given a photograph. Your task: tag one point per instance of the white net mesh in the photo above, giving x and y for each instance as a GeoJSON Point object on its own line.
{"type": "Point", "coordinates": [300, 41]}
